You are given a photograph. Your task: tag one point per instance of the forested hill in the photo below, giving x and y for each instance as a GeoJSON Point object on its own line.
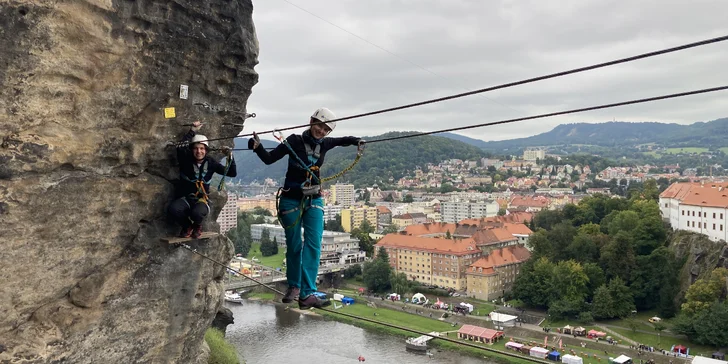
{"type": "Point", "coordinates": [617, 134]}
{"type": "Point", "coordinates": [381, 161]}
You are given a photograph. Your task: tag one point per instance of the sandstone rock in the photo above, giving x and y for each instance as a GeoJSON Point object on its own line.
{"type": "Point", "coordinates": [223, 318]}
{"type": "Point", "coordinates": [85, 173]}
{"type": "Point", "coordinates": [701, 254]}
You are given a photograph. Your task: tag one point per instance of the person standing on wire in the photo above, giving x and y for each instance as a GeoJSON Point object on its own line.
{"type": "Point", "coordinates": [196, 169]}
{"type": "Point", "coordinates": [301, 203]}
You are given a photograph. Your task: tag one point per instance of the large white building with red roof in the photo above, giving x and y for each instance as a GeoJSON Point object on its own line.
{"type": "Point", "coordinates": [700, 207]}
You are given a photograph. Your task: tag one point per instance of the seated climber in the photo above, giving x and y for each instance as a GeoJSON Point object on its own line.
{"type": "Point", "coordinates": [196, 169]}
{"type": "Point", "coordinates": [301, 204]}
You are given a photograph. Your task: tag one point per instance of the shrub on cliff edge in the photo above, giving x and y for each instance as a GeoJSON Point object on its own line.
{"type": "Point", "coordinates": [221, 351]}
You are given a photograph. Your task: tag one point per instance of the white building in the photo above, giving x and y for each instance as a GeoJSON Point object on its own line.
{"type": "Point", "coordinates": [228, 218]}
{"type": "Point", "coordinates": [700, 207]}
{"type": "Point", "coordinates": [454, 211]}
{"type": "Point", "coordinates": [330, 212]}
{"type": "Point", "coordinates": [532, 154]}
{"type": "Point", "coordinates": [342, 194]}
{"type": "Point", "coordinates": [332, 241]}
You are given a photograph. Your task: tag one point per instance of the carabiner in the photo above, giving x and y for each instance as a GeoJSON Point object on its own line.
{"type": "Point", "coordinates": [279, 136]}
{"type": "Point", "coordinates": [360, 147]}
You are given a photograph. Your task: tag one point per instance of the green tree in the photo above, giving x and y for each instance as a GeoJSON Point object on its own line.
{"type": "Point", "coordinates": [261, 211]}
{"type": "Point", "coordinates": [335, 224]}
{"type": "Point", "coordinates": [602, 304]}
{"type": "Point", "coordinates": [502, 211]}
{"type": "Point", "coordinates": [268, 247]}
{"type": "Point", "coordinates": [704, 292]}
{"type": "Point", "coordinates": [408, 198]}
{"type": "Point", "coordinates": [400, 283]}
{"type": "Point", "coordinates": [377, 272]}
{"type": "Point", "coordinates": [388, 198]}
{"type": "Point", "coordinates": [390, 229]}
{"type": "Point", "coordinates": [622, 301]}
{"type": "Point", "coordinates": [448, 235]}
{"type": "Point", "coordinates": [366, 227]}
{"type": "Point", "coordinates": [617, 257]}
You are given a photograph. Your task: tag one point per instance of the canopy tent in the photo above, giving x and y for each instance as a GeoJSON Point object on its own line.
{"type": "Point", "coordinates": [419, 298]}
{"type": "Point", "coordinates": [347, 300]}
{"type": "Point", "coordinates": [595, 333]}
{"type": "Point", "coordinates": [555, 356]}
{"type": "Point", "coordinates": [623, 359]}
{"type": "Point", "coordinates": [718, 355]}
{"type": "Point", "coordinates": [567, 329]}
{"type": "Point", "coordinates": [580, 331]}
{"type": "Point", "coordinates": [526, 349]}
{"type": "Point", "coordinates": [572, 359]}
{"type": "Point", "coordinates": [512, 345]}
{"type": "Point", "coordinates": [680, 349]}
{"type": "Point", "coordinates": [538, 352]}
{"type": "Point", "coordinates": [704, 360]}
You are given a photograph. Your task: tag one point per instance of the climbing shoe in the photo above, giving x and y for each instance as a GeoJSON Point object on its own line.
{"type": "Point", "coordinates": [196, 231]}
{"type": "Point", "coordinates": [311, 301]}
{"type": "Point", "coordinates": [291, 295]}
{"type": "Point", "coordinates": [186, 232]}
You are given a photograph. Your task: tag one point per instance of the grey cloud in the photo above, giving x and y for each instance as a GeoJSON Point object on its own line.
{"type": "Point", "coordinates": [306, 63]}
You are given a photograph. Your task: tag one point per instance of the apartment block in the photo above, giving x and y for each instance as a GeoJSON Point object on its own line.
{"type": "Point", "coordinates": [454, 211]}
{"type": "Point", "coordinates": [342, 194]}
{"type": "Point", "coordinates": [228, 218]}
{"type": "Point", "coordinates": [351, 218]}
{"type": "Point", "coordinates": [268, 203]}
{"type": "Point", "coordinates": [493, 275]}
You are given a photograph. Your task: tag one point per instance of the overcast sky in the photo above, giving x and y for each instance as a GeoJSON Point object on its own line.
{"type": "Point", "coordinates": [446, 47]}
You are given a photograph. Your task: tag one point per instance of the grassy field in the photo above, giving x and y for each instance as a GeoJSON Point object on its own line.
{"type": "Point", "coordinates": [274, 261]}
{"type": "Point", "coordinates": [724, 150]}
{"type": "Point", "coordinates": [664, 342]}
{"type": "Point", "coordinates": [685, 150]}
{"type": "Point", "coordinates": [221, 351]}
{"type": "Point", "coordinates": [264, 296]}
{"type": "Point", "coordinates": [415, 322]}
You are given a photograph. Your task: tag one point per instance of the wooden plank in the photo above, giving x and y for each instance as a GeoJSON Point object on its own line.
{"type": "Point", "coordinates": [177, 240]}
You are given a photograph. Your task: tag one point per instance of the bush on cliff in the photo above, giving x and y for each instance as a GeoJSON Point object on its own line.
{"type": "Point", "coordinates": [221, 351]}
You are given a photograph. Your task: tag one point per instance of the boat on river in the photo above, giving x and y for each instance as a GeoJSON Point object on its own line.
{"type": "Point", "coordinates": [233, 297]}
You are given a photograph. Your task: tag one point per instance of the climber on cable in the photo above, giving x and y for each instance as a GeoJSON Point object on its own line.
{"type": "Point", "coordinates": [300, 202]}
{"type": "Point", "coordinates": [196, 169]}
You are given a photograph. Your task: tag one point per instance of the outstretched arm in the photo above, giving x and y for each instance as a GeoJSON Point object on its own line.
{"type": "Point", "coordinates": [340, 142]}
{"type": "Point", "coordinates": [268, 158]}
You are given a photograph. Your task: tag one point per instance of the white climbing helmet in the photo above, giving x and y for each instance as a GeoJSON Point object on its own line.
{"type": "Point", "coordinates": [199, 138]}
{"type": "Point", "coordinates": [324, 114]}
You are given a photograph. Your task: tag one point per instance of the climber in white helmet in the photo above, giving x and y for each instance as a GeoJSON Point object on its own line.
{"type": "Point", "coordinates": [301, 203]}
{"type": "Point", "coordinates": [196, 168]}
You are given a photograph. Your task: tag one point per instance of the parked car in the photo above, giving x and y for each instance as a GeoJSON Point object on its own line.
{"type": "Point", "coordinates": [654, 319]}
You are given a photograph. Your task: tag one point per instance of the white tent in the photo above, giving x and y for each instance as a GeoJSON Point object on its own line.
{"type": "Point", "coordinates": [704, 360]}
{"type": "Point", "coordinates": [419, 298]}
{"type": "Point", "coordinates": [571, 359]}
{"type": "Point", "coordinates": [622, 359]}
{"type": "Point", "coordinates": [538, 352]}
{"type": "Point", "coordinates": [501, 319]}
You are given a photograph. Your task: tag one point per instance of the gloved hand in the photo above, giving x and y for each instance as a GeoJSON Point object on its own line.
{"type": "Point", "coordinates": [226, 151]}
{"type": "Point", "coordinates": [361, 142]}
{"type": "Point", "coordinates": [254, 142]}
{"type": "Point", "coordinates": [196, 126]}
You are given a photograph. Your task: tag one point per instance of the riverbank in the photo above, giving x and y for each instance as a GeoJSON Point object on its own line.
{"type": "Point", "coordinates": [221, 351]}
{"type": "Point", "coordinates": [414, 322]}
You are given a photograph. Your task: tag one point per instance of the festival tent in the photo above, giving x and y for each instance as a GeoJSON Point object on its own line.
{"type": "Point", "coordinates": [567, 329]}
{"type": "Point", "coordinates": [526, 349]}
{"type": "Point", "coordinates": [718, 355]}
{"type": "Point", "coordinates": [538, 352]}
{"type": "Point", "coordinates": [622, 359]}
{"type": "Point", "coordinates": [580, 331]}
{"type": "Point", "coordinates": [572, 359]}
{"type": "Point", "coordinates": [419, 298]}
{"type": "Point", "coordinates": [555, 356]}
{"type": "Point", "coordinates": [704, 360]}
{"type": "Point", "coordinates": [347, 300]}
{"type": "Point", "coordinates": [512, 345]}
{"type": "Point", "coordinates": [681, 349]}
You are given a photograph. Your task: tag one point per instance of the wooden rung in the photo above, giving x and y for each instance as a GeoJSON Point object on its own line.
{"type": "Point", "coordinates": [177, 240]}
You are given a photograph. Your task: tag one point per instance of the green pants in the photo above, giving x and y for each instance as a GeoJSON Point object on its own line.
{"type": "Point", "coordinates": [302, 255]}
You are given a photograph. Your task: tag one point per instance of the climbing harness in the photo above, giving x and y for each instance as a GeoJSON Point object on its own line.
{"type": "Point", "coordinates": [300, 209]}
{"type": "Point", "coordinates": [228, 162]}
{"type": "Point", "coordinates": [199, 181]}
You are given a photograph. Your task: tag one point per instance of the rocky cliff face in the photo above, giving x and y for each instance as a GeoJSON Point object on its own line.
{"type": "Point", "coordinates": [701, 256]}
{"type": "Point", "coordinates": [85, 173]}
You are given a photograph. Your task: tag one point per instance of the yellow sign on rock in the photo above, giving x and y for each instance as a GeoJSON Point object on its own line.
{"type": "Point", "coordinates": [169, 113]}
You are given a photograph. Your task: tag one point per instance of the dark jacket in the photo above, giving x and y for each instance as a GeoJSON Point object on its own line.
{"type": "Point", "coordinates": [190, 172]}
{"type": "Point", "coordinates": [296, 175]}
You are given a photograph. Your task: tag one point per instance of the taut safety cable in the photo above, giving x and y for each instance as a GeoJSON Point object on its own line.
{"type": "Point", "coordinates": [531, 359]}
{"type": "Point", "coordinates": [572, 111]}
{"type": "Point", "coordinates": [502, 86]}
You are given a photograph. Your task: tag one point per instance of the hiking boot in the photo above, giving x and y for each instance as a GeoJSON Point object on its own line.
{"type": "Point", "coordinates": [311, 301]}
{"type": "Point", "coordinates": [291, 295]}
{"type": "Point", "coordinates": [196, 231]}
{"type": "Point", "coordinates": [186, 232]}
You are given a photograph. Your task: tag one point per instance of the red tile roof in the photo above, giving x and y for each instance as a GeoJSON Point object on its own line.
{"type": "Point", "coordinates": [493, 236]}
{"type": "Point", "coordinates": [384, 210]}
{"type": "Point", "coordinates": [478, 331]}
{"type": "Point", "coordinates": [500, 257]}
{"type": "Point", "coordinates": [699, 194]}
{"type": "Point", "coordinates": [433, 245]}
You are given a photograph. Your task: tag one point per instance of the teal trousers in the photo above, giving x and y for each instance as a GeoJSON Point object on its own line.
{"type": "Point", "coordinates": [303, 254]}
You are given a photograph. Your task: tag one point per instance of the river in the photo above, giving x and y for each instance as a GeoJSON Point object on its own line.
{"type": "Point", "coordinates": [265, 333]}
